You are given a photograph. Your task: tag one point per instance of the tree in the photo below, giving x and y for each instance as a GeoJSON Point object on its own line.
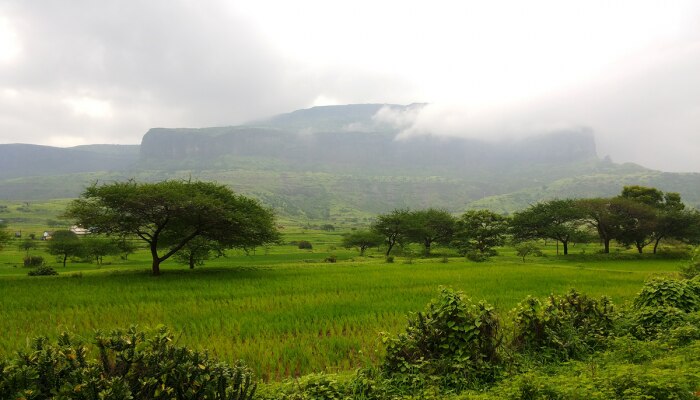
{"type": "Point", "coordinates": [672, 220]}
{"type": "Point", "coordinates": [637, 223]}
{"type": "Point", "coordinates": [362, 240]}
{"type": "Point", "coordinates": [126, 247]}
{"type": "Point", "coordinates": [599, 214]}
{"type": "Point", "coordinates": [559, 220]}
{"type": "Point", "coordinates": [430, 226]}
{"type": "Point", "coordinates": [64, 243]}
{"type": "Point", "coordinates": [480, 231]}
{"type": "Point", "coordinates": [167, 215]}
{"type": "Point", "coordinates": [97, 247]}
{"type": "Point", "coordinates": [524, 249]}
{"type": "Point", "coordinates": [5, 235]}
{"type": "Point", "coordinates": [198, 250]}
{"type": "Point", "coordinates": [27, 244]}
{"type": "Point", "coordinates": [393, 227]}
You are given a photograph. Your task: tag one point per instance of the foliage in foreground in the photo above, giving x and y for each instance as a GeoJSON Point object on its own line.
{"type": "Point", "coordinates": [455, 349]}
{"type": "Point", "coordinates": [132, 364]}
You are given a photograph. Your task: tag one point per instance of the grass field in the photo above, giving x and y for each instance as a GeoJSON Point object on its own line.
{"type": "Point", "coordinates": [283, 310]}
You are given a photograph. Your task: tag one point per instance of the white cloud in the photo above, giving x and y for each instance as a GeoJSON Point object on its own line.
{"type": "Point", "coordinates": [90, 107]}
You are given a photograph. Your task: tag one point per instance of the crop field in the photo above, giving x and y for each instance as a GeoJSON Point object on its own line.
{"type": "Point", "coordinates": [285, 311]}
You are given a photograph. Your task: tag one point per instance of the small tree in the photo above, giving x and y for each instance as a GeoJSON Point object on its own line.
{"type": "Point", "coordinates": [198, 250]}
{"type": "Point", "coordinates": [525, 249]}
{"type": "Point", "coordinates": [480, 231]}
{"type": "Point", "coordinates": [327, 227]}
{"type": "Point", "coordinates": [126, 247]}
{"type": "Point", "coordinates": [97, 247]}
{"type": "Point", "coordinates": [65, 244]}
{"type": "Point", "coordinates": [26, 245]}
{"type": "Point", "coordinates": [393, 227]}
{"type": "Point", "coordinates": [362, 240]}
{"type": "Point", "coordinates": [5, 235]}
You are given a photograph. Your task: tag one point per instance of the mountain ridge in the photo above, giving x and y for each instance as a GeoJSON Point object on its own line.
{"type": "Point", "coordinates": [338, 160]}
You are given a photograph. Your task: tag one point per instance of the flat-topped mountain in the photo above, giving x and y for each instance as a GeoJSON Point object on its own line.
{"type": "Point", "coordinates": [336, 161]}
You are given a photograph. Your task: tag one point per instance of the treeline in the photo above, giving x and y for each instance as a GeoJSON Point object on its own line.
{"type": "Point", "coordinates": [640, 216]}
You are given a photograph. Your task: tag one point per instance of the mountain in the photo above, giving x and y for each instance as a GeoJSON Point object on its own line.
{"type": "Point", "coordinates": [22, 160]}
{"type": "Point", "coordinates": [339, 162]}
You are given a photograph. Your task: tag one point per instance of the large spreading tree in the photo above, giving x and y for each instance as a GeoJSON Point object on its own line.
{"type": "Point", "coordinates": [168, 215]}
{"type": "Point", "coordinates": [431, 226]}
{"type": "Point", "coordinates": [559, 220]}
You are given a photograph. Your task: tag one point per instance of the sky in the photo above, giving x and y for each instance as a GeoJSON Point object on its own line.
{"type": "Point", "coordinates": [81, 72]}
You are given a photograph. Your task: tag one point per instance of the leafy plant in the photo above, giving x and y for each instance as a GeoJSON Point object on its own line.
{"type": "Point", "coordinates": [131, 364]}
{"type": "Point", "coordinates": [562, 327]}
{"type": "Point", "coordinates": [42, 270]}
{"type": "Point", "coordinates": [454, 340]}
{"type": "Point", "coordinates": [304, 245]}
{"type": "Point", "coordinates": [33, 261]}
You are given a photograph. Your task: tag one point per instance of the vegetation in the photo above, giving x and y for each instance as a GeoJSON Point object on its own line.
{"type": "Point", "coordinates": [363, 240]}
{"type": "Point", "coordinates": [287, 313]}
{"type": "Point", "coordinates": [65, 244]}
{"type": "Point", "coordinates": [167, 215]}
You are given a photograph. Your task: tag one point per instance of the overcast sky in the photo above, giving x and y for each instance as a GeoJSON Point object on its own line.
{"type": "Point", "coordinates": [78, 72]}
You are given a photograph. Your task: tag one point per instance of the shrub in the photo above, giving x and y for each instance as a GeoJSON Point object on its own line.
{"type": "Point", "coordinates": [476, 256]}
{"type": "Point", "coordinates": [33, 261]}
{"type": "Point", "coordinates": [390, 259]}
{"type": "Point", "coordinates": [305, 245]}
{"type": "Point", "coordinates": [331, 259]}
{"type": "Point", "coordinates": [42, 270]}
{"type": "Point", "coordinates": [453, 339]}
{"type": "Point", "coordinates": [692, 268]}
{"type": "Point", "coordinates": [662, 305]}
{"type": "Point", "coordinates": [665, 292]}
{"type": "Point", "coordinates": [563, 327]}
{"type": "Point", "coordinates": [130, 365]}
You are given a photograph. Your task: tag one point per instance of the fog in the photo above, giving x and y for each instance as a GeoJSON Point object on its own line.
{"type": "Point", "coordinates": [77, 72]}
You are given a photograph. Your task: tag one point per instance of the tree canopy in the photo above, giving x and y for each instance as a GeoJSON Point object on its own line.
{"type": "Point", "coordinates": [480, 231]}
{"type": "Point", "coordinates": [430, 226]}
{"type": "Point", "coordinates": [64, 243]}
{"type": "Point", "coordinates": [167, 215]}
{"type": "Point", "coordinates": [362, 239]}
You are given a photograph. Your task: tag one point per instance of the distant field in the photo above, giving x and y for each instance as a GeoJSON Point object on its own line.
{"type": "Point", "coordinates": [286, 312]}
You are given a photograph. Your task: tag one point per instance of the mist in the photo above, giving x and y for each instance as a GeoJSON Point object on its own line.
{"type": "Point", "coordinates": [105, 72]}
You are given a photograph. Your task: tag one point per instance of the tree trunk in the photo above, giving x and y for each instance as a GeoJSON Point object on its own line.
{"type": "Point", "coordinates": [191, 260]}
{"type": "Point", "coordinates": [565, 243]}
{"type": "Point", "coordinates": [557, 247]}
{"type": "Point", "coordinates": [606, 243]}
{"type": "Point", "coordinates": [656, 244]}
{"type": "Point", "coordinates": [388, 250]}
{"type": "Point", "coordinates": [65, 256]}
{"type": "Point", "coordinates": [426, 243]}
{"type": "Point", "coordinates": [155, 267]}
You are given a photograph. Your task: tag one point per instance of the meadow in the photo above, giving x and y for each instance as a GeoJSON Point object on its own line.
{"type": "Point", "coordinates": [286, 311]}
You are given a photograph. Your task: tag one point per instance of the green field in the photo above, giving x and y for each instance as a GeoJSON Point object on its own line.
{"type": "Point", "coordinates": [285, 311]}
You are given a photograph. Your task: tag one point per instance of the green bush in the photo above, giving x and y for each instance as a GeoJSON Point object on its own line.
{"type": "Point", "coordinates": [454, 340]}
{"type": "Point", "coordinates": [42, 270]}
{"type": "Point", "coordinates": [130, 365]}
{"type": "Point", "coordinates": [476, 256]}
{"type": "Point", "coordinates": [563, 327]}
{"type": "Point", "coordinates": [304, 245]}
{"type": "Point", "coordinates": [666, 292]}
{"type": "Point", "coordinates": [33, 261]}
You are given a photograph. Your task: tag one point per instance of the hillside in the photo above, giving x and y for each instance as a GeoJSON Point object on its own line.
{"type": "Point", "coordinates": [339, 162]}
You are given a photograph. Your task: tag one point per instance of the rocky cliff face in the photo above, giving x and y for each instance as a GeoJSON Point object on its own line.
{"type": "Point", "coordinates": [345, 139]}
